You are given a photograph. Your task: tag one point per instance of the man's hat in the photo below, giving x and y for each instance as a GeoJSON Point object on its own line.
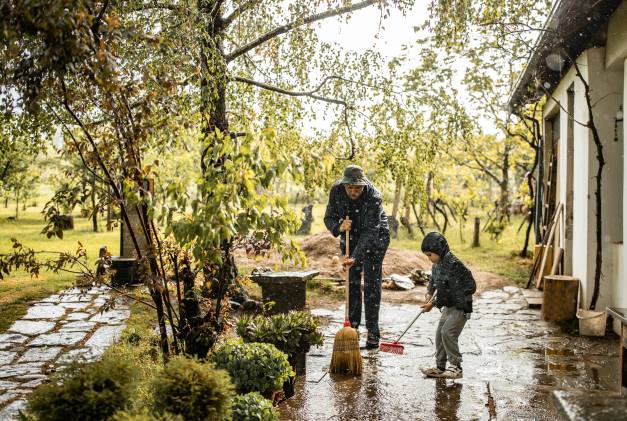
{"type": "Point", "coordinates": [354, 176]}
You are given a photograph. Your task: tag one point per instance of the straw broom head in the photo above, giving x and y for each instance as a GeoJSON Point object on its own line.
{"type": "Point", "coordinates": [346, 357]}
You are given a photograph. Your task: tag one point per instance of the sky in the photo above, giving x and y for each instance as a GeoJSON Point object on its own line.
{"type": "Point", "coordinates": [360, 33]}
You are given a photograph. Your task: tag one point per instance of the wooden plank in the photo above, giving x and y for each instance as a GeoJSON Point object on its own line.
{"type": "Point", "coordinates": [558, 212]}
{"type": "Point", "coordinates": [536, 260]}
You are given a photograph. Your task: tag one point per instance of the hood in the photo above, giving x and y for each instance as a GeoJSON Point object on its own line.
{"type": "Point", "coordinates": [434, 242]}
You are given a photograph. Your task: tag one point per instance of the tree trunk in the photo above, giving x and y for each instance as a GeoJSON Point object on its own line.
{"type": "Point", "coordinates": [525, 250]}
{"type": "Point", "coordinates": [94, 215]}
{"type": "Point", "coordinates": [17, 203]}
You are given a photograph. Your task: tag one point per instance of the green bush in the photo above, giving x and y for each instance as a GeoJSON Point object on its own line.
{"type": "Point", "coordinates": [93, 391]}
{"type": "Point", "coordinates": [253, 407]}
{"type": "Point", "coordinates": [291, 333]}
{"type": "Point", "coordinates": [192, 389]}
{"type": "Point", "coordinates": [144, 415]}
{"type": "Point", "coordinates": [254, 367]}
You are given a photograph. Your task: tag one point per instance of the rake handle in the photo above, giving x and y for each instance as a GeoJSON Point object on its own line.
{"type": "Point", "coordinates": [415, 318]}
{"type": "Point", "coordinates": [347, 276]}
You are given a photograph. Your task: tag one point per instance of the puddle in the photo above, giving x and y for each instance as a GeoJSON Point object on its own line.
{"type": "Point", "coordinates": [522, 358]}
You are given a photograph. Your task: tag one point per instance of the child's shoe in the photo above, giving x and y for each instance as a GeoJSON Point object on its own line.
{"type": "Point", "coordinates": [453, 372]}
{"type": "Point", "coordinates": [432, 371]}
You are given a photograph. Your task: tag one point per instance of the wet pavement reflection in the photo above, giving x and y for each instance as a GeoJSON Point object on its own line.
{"type": "Point", "coordinates": [512, 362]}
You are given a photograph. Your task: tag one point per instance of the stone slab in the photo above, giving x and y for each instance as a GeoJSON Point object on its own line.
{"type": "Point", "coordinates": [511, 289]}
{"type": "Point", "coordinates": [45, 312]}
{"type": "Point", "coordinates": [58, 338]}
{"type": "Point", "coordinates": [104, 336]}
{"type": "Point", "coordinates": [76, 306]}
{"type": "Point", "coordinates": [11, 411]}
{"type": "Point", "coordinates": [78, 326]}
{"type": "Point", "coordinates": [34, 383]}
{"type": "Point", "coordinates": [14, 370]}
{"type": "Point", "coordinates": [9, 340]}
{"type": "Point", "coordinates": [591, 406]}
{"type": "Point", "coordinates": [112, 317]}
{"type": "Point", "coordinates": [76, 298]}
{"type": "Point", "coordinates": [7, 385]}
{"type": "Point", "coordinates": [40, 354]}
{"type": "Point", "coordinates": [31, 327]}
{"type": "Point", "coordinates": [81, 354]}
{"type": "Point", "coordinates": [77, 316]}
{"type": "Point", "coordinates": [6, 357]}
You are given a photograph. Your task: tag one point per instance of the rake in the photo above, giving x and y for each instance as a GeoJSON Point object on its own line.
{"type": "Point", "coordinates": [395, 347]}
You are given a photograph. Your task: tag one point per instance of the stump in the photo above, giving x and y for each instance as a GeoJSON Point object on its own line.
{"type": "Point", "coordinates": [559, 302]}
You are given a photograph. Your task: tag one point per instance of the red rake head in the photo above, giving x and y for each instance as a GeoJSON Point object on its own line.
{"type": "Point", "coordinates": [393, 347]}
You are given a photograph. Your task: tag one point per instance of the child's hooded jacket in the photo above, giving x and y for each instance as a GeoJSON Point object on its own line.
{"type": "Point", "coordinates": [453, 281]}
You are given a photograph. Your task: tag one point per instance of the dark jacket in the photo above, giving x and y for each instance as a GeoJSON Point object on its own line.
{"type": "Point", "coordinates": [452, 280]}
{"type": "Point", "coordinates": [369, 232]}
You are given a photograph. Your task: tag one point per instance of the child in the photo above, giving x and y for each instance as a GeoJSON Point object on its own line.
{"type": "Point", "coordinates": [454, 285]}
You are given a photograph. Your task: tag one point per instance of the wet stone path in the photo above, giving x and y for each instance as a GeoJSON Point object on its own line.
{"type": "Point", "coordinates": [513, 361]}
{"type": "Point", "coordinates": [62, 328]}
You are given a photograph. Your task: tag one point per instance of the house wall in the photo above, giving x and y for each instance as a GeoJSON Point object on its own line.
{"type": "Point", "coordinates": [606, 88]}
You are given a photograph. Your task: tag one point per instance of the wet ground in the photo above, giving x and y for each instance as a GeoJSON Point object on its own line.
{"type": "Point", "coordinates": [513, 361]}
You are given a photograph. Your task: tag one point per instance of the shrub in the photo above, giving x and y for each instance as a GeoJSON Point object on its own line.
{"type": "Point", "coordinates": [144, 415]}
{"type": "Point", "coordinates": [93, 391]}
{"type": "Point", "coordinates": [194, 390]}
{"type": "Point", "coordinates": [291, 333]}
{"type": "Point", "coordinates": [254, 367]}
{"type": "Point", "coordinates": [253, 407]}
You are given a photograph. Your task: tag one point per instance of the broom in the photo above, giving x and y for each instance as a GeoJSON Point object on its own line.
{"type": "Point", "coordinates": [395, 347]}
{"type": "Point", "coordinates": [346, 356]}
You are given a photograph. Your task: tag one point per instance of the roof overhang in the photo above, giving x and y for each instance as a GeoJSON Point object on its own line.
{"type": "Point", "coordinates": [572, 27]}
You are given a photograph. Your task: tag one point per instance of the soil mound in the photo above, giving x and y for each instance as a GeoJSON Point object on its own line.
{"type": "Point", "coordinates": [320, 249]}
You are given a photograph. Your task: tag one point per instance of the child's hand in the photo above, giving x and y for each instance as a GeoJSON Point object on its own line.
{"type": "Point", "coordinates": [428, 297]}
{"type": "Point", "coordinates": [426, 307]}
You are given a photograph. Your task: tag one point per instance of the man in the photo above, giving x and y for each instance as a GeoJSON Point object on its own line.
{"type": "Point", "coordinates": [355, 205]}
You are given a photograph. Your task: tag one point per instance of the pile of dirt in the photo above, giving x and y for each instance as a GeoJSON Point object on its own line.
{"type": "Point", "coordinates": [322, 247]}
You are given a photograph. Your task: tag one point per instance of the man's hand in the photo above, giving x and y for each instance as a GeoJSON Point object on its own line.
{"type": "Point", "coordinates": [348, 262]}
{"type": "Point", "coordinates": [346, 225]}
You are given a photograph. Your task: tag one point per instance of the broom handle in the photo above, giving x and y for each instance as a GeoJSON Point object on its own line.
{"type": "Point", "coordinates": [347, 274]}
{"type": "Point", "coordinates": [416, 318]}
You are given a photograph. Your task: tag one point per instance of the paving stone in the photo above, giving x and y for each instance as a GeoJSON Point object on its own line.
{"type": "Point", "coordinates": [81, 354]}
{"type": "Point", "coordinates": [511, 290]}
{"type": "Point", "coordinates": [76, 298]}
{"type": "Point", "coordinates": [5, 397]}
{"type": "Point", "coordinates": [7, 385]}
{"type": "Point", "coordinates": [6, 357]}
{"type": "Point", "coordinates": [9, 340]}
{"type": "Point", "coordinates": [58, 338]}
{"type": "Point", "coordinates": [78, 326]}
{"type": "Point", "coordinates": [104, 336]}
{"type": "Point", "coordinates": [20, 369]}
{"type": "Point", "coordinates": [76, 306]}
{"type": "Point", "coordinates": [34, 383]}
{"type": "Point", "coordinates": [44, 312]}
{"type": "Point", "coordinates": [29, 327]}
{"type": "Point", "coordinates": [112, 317]}
{"type": "Point", "coordinates": [11, 411]}
{"type": "Point", "coordinates": [77, 316]}
{"type": "Point", "coordinates": [40, 354]}
{"type": "Point", "coordinates": [494, 294]}
{"type": "Point", "coordinates": [55, 298]}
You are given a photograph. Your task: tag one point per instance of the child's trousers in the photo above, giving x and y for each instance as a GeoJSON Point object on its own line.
{"type": "Point", "coordinates": [447, 334]}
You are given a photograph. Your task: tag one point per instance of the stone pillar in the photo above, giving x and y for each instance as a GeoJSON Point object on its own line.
{"type": "Point", "coordinates": [127, 248]}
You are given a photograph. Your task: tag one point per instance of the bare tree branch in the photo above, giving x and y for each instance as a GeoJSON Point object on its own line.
{"type": "Point", "coordinates": [309, 94]}
{"type": "Point", "coordinates": [238, 12]}
{"type": "Point", "coordinates": [295, 24]}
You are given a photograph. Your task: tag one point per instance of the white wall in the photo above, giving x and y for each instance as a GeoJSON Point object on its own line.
{"type": "Point", "coordinates": [606, 89]}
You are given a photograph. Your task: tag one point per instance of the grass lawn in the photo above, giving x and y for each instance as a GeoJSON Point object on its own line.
{"type": "Point", "coordinates": [19, 289]}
